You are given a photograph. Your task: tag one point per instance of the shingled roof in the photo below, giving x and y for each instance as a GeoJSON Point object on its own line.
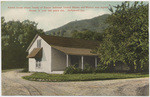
{"type": "Point", "coordinates": [69, 42]}
{"type": "Point", "coordinates": [75, 51]}
{"type": "Point", "coordinates": [70, 46]}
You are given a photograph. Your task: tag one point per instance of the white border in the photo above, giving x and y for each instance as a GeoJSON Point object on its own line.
{"type": "Point", "coordinates": [69, 0]}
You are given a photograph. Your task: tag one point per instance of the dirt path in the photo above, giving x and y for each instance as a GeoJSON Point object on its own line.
{"type": "Point", "coordinates": [13, 84]}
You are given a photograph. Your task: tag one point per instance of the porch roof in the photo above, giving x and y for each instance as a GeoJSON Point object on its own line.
{"type": "Point", "coordinates": [36, 52]}
{"type": "Point", "coordinates": [75, 51]}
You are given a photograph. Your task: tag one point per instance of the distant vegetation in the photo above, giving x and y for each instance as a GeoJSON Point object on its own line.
{"type": "Point", "coordinates": [16, 37]}
{"type": "Point", "coordinates": [87, 35]}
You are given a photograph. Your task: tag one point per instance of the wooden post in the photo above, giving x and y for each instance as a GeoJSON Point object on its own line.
{"type": "Point", "coordinates": [82, 64]}
{"type": "Point", "coordinates": [95, 62]}
{"type": "Point", "coordinates": [67, 60]}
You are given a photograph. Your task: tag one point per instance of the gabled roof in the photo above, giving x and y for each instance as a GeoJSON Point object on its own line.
{"type": "Point", "coordinates": [67, 45]}
{"type": "Point", "coordinates": [67, 42]}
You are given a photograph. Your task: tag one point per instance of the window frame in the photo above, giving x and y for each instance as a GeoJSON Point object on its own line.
{"type": "Point", "coordinates": [38, 62]}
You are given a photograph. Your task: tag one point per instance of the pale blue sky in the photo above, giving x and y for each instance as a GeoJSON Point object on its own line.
{"type": "Point", "coordinates": [51, 20]}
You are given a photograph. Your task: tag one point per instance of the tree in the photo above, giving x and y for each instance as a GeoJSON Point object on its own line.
{"type": "Point", "coordinates": [87, 35]}
{"type": "Point", "coordinates": [16, 37]}
{"type": "Point", "coordinates": [126, 38]}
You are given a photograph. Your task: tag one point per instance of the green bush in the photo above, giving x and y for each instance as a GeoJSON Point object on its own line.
{"type": "Point", "coordinates": [72, 70]}
{"type": "Point", "coordinates": [101, 68]}
{"type": "Point", "coordinates": [89, 70]}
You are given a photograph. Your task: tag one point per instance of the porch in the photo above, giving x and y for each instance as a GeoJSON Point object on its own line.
{"type": "Point", "coordinates": [81, 61]}
{"type": "Point", "coordinates": [63, 57]}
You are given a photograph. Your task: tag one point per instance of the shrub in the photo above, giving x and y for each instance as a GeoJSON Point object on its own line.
{"type": "Point", "coordinates": [101, 68]}
{"type": "Point", "coordinates": [72, 70]}
{"type": "Point", "coordinates": [69, 70]}
{"type": "Point", "coordinates": [88, 70]}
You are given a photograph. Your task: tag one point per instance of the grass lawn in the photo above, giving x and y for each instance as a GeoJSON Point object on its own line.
{"type": "Point", "coordinates": [81, 77]}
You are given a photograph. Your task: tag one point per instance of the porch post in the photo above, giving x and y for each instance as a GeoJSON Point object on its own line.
{"type": "Point", "coordinates": [82, 62]}
{"type": "Point", "coordinates": [67, 60]}
{"type": "Point", "coordinates": [95, 61]}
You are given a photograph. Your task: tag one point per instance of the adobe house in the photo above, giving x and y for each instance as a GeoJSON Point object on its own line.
{"type": "Point", "coordinates": [52, 54]}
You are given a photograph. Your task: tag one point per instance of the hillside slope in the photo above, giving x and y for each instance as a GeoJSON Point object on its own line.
{"type": "Point", "coordinates": [96, 24]}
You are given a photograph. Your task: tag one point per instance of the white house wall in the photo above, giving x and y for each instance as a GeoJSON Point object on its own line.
{"type": "Point", "coordinates": [46, 57]}
{"type": "Point", "coordinates": [58, 60]}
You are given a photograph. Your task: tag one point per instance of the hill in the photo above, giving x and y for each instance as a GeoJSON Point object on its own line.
{"type": "Point", "coordinates": [96, 24]}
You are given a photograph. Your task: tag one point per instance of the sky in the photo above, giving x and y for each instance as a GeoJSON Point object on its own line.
{"type": "Point", "coordinates": [52, 20]}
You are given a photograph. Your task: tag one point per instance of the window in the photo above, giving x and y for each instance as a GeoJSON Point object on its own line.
{"type": "Point", "coordinates": [39, 43]}
{"type": "Point", "coordinates": [38, 62]}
